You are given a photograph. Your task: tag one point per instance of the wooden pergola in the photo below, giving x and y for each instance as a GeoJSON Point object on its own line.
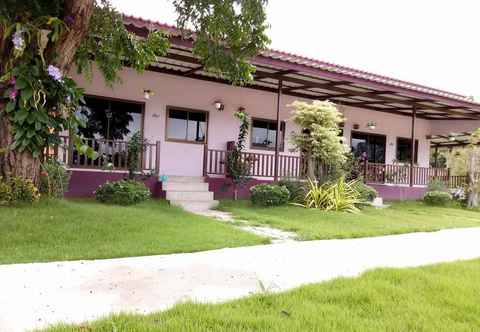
{"type": "Point", "coordinates": [287, 74]}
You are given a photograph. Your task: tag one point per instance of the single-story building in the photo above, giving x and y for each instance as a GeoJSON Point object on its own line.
{"type": "Point", "coordinates": [186, 115]}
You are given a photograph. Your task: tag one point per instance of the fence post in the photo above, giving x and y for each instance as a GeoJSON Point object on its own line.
{"type": "Point", "coordinates": [365, 166]}
{"type": "Point", "coordinates": [157, 158]}
{"type": "Point", "coordinates": [70, 150]}
{"type": "Point", "coordinates": [205, 157]}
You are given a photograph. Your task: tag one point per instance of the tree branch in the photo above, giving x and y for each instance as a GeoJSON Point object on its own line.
{"type": "Point", "coordinates": [78, 12]}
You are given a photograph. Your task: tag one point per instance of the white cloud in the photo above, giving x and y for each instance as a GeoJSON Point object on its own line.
{"type": "Point", "coordinates": [431, 42]}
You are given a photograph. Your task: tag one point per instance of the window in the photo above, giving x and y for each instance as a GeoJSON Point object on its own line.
{"type": "Point", "coordinates": [110, 119]}
{"type": "Point", "coordinates": [404, 150]}
{"type": "Point", "coordinates": [373, 145]}
{"type": "Point", "coordinates": [186, 125]}
{"type": "Point", "coordinates": [264, 134]}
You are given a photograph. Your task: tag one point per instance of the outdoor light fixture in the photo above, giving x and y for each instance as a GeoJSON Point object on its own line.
{"type": "Point", "coordinates": [219, 106]}
{"type": "Point", "coordinates": [371, 125]}
{"type": "Point", "coordinates": [147, 93]}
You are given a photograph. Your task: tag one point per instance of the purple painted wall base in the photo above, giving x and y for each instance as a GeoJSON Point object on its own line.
{"type": "Point", "coordinates": [84, 183]}
{"type": "Point", "coordinates": [223, 189]}
{"type": "Point", "coordinates": [398, 193]}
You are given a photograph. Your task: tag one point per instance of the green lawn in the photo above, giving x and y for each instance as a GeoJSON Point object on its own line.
{"type": "Point", "coordinates": [433, 298]}
{"type": "Point", "coordinates": [85, 229]}
{"type": "Point", "coordinates": [310, 224]}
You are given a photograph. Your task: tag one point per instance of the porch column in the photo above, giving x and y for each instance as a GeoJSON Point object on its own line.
{"type": "Point", "coordinates": [436, 156]}
{"type": "Point", "coordinates": [277, 134]}
{"type": "Point", "coordinates": [412, 161]}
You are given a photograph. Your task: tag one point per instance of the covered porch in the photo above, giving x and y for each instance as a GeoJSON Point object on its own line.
{"type": "Point", "coordinates": [389, 120]}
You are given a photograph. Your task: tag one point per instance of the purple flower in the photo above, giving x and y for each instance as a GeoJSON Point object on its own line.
{"type": "Point", "coordinates": [13, 94]}
{"type": "Point", "coordinates": [18, 41]}
{"type": "Point", "coordinates": [55, 73]}
{"type": "Point", "coordinates": [13, 81]}
{"type": "Point", "coordinates": [69, 20]}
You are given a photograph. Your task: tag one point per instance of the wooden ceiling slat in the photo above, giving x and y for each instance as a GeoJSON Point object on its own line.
{"type": "Point", "coordinates": [382, 97]}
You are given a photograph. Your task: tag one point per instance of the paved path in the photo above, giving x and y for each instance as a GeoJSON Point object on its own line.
{"type": "Point", "coordinates": [274, 234]}
{"type": "Point", "coordinates": [34, 295]}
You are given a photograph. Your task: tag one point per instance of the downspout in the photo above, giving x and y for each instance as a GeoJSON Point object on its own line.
{"type": "Point", "coordinates": [277, 133]}
{"type": "Point", "coordinates": [412, 161]}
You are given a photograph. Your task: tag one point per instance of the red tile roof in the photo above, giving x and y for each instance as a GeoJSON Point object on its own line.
{"type": "Point", "coordinates": [318, 64]}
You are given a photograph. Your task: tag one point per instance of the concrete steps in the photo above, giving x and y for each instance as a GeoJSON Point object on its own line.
{"type": "Point", "coordinates": [189, 192]}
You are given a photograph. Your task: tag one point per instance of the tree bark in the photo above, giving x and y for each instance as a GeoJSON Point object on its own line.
{"type": "Point", "coordinates": [473, 195]}
{"type": "Point", "coordinates": [15, 163]}
{"type": "Point", "coordinates": [80, 11]}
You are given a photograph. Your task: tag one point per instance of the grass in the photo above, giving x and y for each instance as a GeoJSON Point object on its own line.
{"type": "Point", "coordinates": [310, 224]}
{"type": "Point", "coordinates": [85, 229]}
{"type": "Point", "coordinates": [433, 298]}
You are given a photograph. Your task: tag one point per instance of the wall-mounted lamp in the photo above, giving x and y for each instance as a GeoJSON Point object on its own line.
{"type": "Point", "coordinates": [147, 93]}
{"type": "Point", "coordinates": [371, 125]}
{"type": "Point", "coordinates": [219, 106]}
{"type": "Point", "coordinates": [356, 126]}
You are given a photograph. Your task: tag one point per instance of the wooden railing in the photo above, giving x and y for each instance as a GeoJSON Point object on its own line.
{"type": "Point", "coordinates": [261, 164]}
{"type": "Point", "coordinates": [400, 174]}
{"type": "Point", "coordinates": [112, 154]}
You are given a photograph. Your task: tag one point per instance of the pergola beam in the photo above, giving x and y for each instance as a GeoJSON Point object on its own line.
{"type": "Point", "coordinates": [333, 86]}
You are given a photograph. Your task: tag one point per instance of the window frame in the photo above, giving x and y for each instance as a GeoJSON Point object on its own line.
{"type": "Point", "coordinates": [188, 110]}
{"type": "Point", "coordinates": [371, 134]}
{"type": "Point", "coordinates": [253, 146]}
{"type": "Point", "coordinates": [127, 101]}
{"type": "Point", "coordinates": [417, 145]}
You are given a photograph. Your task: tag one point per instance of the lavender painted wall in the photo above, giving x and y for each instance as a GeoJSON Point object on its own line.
{"type": "Point", "coordinates": [398, 193]}
{"type": "Point", "coordinates": [84, 183]}
{"type": "Point", "coordinates": [223, 189]}
{"type": "Point", "coordinates": [186, 159]}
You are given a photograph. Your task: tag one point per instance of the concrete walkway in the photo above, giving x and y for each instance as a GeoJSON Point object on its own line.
{"type": "Point", "coordinates": [35, 295]}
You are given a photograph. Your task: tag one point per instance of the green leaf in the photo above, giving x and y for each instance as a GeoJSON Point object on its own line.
{"type": "Point", "coordinates": [21, 83]}
{"type": "Point", "coordinates": [26, 94]}
{"type": "Point", "coordinates": [21, 115]}
{"type": "Point", "coordinates": [10, 106]}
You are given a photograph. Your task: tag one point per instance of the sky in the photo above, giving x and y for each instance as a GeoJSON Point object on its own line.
{"type": "Point", "coordinates": [430, 42]}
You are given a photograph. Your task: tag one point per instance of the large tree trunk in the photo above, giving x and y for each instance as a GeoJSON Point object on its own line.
{"type": "Point", "coordinates": [14, 163]}
{"type": "Point", "coordinates": [473, 195]}
{"type": "Point", "coordinates": [23, 164]}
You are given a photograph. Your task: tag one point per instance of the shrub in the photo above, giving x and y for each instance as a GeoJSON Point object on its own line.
{"type": "Point", "coordinates": [269, 195]}
{"type": "Point", "coordinates": [5, 193]}
{"type": "Point", "coordinates": [437, 198]}
{"type": "Point", "coordinates": [366, 192]}
{"type": "Point", "coordinates": [54, 179]}
{"type": "Point", "coordinates": [333, 196]}
{"type": "Point", "coordinates": [136, 146]}
{"type": "Point", "coordinates": [124, 192]}
{"type": "Point", "coordinates": [437, 185]}
{"type": "Point", "coordinates": [297, 189]}
{"type": "Point", "coordinates": [18, 190]}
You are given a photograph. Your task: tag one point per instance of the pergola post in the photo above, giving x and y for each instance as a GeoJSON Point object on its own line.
{"type": "Point", "coordinates": [412, 161]}
{"type": "Point", "coordinates": [277, 133]}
